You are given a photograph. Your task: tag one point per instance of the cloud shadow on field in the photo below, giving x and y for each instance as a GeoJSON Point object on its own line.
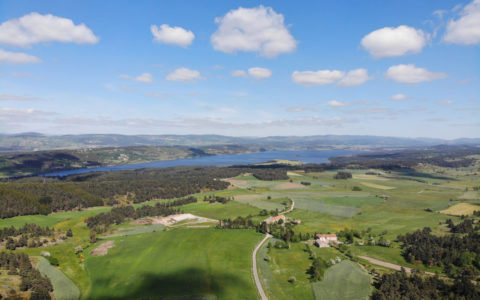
{"type": "Point", "coordinates": [191, 283]}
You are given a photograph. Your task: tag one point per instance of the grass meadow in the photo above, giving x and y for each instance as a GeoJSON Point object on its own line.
{"type": "Point", "coordinates": [181, 263]}
{"type": "Point", "coordinates": [345, 280]}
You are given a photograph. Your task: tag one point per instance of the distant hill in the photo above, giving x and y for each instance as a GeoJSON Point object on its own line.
{"type": "Point", "coordinates": [35, 141]}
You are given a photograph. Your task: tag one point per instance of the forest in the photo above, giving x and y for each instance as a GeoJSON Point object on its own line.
{"type": "Point", "coordinates": [448, 251]}
{"type": "Point", "coordinates": [31, 279]}
{"type": "Point", "coordinates": [39, 195]}
{"type": "Point", "coordinates": [400, 285]}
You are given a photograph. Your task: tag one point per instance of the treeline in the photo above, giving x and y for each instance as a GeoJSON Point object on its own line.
{"type": "Point", "coordinates": [466, 226]}
{"type": "Point", "coordinates": [32, 230]}
{"type": "Point", "coordinates": [399, 285]}
{"type": "Point", "coordinates": [447, 251]}
{"type": "Point", "coordinates": [34, 195]}
{"type": "Point", "coordinates": [443, 156]}
{"type": "Point", "coordinates": [31, 279]}
{"type": "Point", "coordinates": [26, 236]}
{"type": "Point", "coordinates": [342, 175]}
{"type": "Point", "coordinates": [270, 174]}
{"type": "Point", "coordinates": [283, 232]}
{"type": "Point", "coordinates": [118, 215]}
{"type": "Point", "coordinates": [219, 199]}
{"type": "Point", "coordinates": [318, 267]}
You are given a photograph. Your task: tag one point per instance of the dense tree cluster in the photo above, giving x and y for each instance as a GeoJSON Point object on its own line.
{"type": "Point", "coordinates": [118, 215]}
{"type": "Point", "coordinates": [219, 199]}
{"type": "Point", "coordinates": [343, 175]}
{"type": "Point", "coordinates": [401, 286]}
{"type": "Point", "coordinates": [318, 267]}
{"type": "Point", "coordinates": [32, 230]}
{"type": "Point", "coordinates": [32, 280]}
{"type": "Point", "coordinates": [270, 174]}
{"type": "Point", "coordinates": [466, 226]}
{"type": "Point", "coordinates": [238, 223]}
{"type": "Point", "coordinates": [26, 236]}
{"type": "Point", "coordinates": [447, 251]}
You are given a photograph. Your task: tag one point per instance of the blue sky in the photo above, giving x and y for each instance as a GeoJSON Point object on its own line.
{"type": "Point", "coordinates": [241, 68]}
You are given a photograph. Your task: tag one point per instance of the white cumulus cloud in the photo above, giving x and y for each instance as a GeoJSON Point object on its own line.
{"type": "Point", "coordinates": [184, 75]}
{"type": "Point", "coordinates": [145, 77]}
{"type": "Point", "coordinates": [17, 58]}
{"type": "Point", "coordinates": [336, 103]}
{"type": "Point", "coordinates": [354, 78]}
{"type": "Point", "coordinates": [259, 73]}
{"type": "Point", "coordinates": [36, 28]}
{"type": "Point", "coordinates": [399, 97]}
{"type": "Point", "coordinates": [239, 73]}
{"type": "Point", "coordinates": [466, 29]}
{"type": "Point", "coordinates": [172, 35]}
{"type": "Point", "coordinates": [391, 41]}
{"type": "Point", "coordinates": [259, 29]}
{"type": "Point", "coordinates": [445, 102]}
{"type": "Point", "coordinates": [321, 77]}
{"type": "Point", "coordinates": [412, 75]}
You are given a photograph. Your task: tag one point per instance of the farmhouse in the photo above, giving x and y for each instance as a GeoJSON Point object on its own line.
{"type": "Point", "coordinates": [324, 240]}
{"type": "Point", "coordinates": [272, 220]}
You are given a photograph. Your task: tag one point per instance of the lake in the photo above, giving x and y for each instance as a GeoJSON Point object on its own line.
{"type": "Point", "coordinates": [305, 156]}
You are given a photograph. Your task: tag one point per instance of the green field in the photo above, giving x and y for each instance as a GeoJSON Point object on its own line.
{"type": "Point", "coordinates": [63, 287]}
{"type": "Point", "coordinates": [179, 263]}
{"type": "Point", "coordinates": [282, 264]}
{"type": "Point", "coordinates": [345, 280]}
{"type": "Point", "coordinates": [51, 219]}
{"type": "Point", "coordinates": [153, 261]}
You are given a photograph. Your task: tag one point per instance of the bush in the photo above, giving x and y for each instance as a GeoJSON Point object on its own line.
{"type": "Point", "coordinates": [342, 175]}
{"type": "Point", "coordinates": [53, 260]}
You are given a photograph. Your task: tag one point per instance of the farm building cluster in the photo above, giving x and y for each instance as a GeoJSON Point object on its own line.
{"type": "Point", "coordinates": [325, 240]}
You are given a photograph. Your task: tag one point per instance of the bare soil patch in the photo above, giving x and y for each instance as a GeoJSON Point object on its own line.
{"type": "Point", "coordinates": [236, 182]}
{"type": "Point", "coordinates": [173, 219]}
{"type": "Point", "coordinates": [289, 173]}
{"type": "Point", "coordinates": [369, 177]}
{"type": "Point", "coordinates": [247, 197]}
{"type": "Point", "coordinates": [102, 250]}
{"type": "Point", "coordinates": [289, 186]}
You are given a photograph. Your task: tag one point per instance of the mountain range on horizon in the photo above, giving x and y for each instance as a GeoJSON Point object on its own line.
{"type": "Point", "coordinates": [33, 141]}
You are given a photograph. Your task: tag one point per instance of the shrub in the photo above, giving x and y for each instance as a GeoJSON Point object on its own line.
{"type": "Point", "coordinates": [342, 175]}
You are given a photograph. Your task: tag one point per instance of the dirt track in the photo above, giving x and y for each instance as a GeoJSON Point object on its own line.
{"type": "Point", "coordinates": [389, 265]}
{"type": "Point", "coordinates": [102, 250]}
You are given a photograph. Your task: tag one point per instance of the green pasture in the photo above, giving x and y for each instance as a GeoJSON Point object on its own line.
{"type": "Point", "coordinates": [277, 266]}
{"type": "Point", "coordinates": [181, 263]}
{"type": "Point", "coordinates": [345, 280]}
{"type": "Point", "coordinates": [51, 219]}
{"type": "Point", "coordinates": [219, 211]}
{"type": "Point", "coordinates": [63, 287]}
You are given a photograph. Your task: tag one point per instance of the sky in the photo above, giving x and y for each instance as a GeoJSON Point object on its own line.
{"type": "Point", "coordinates": [241, 68]}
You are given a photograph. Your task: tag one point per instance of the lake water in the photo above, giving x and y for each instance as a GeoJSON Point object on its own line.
{"type": "Point", "coordinates": [305, 156]}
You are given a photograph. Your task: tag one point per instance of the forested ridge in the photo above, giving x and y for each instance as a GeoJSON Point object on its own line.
{"type": "Point", "coordinates": [39, 195]}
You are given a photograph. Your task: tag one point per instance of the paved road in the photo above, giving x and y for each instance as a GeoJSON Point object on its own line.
{"type": "Point", "coordinates": [255, 272]}
{"type": "Point", "coordinates": [389, 265]}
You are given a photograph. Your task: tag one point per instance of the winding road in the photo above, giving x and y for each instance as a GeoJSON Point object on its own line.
{"type": "Point", "coordinates": [291, 208]}
{"type": "Point", "coordinates": [254, 267]}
